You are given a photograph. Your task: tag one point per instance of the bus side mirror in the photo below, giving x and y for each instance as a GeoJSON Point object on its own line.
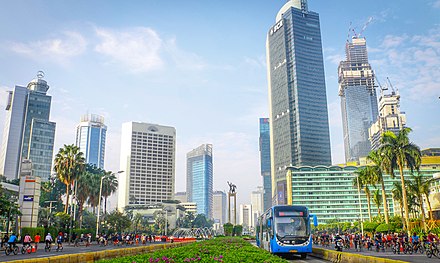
{"type": "Point", "coordinates": [315, 220]}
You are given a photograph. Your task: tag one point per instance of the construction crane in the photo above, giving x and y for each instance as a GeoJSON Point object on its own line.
{"type": "Point", "coordinates": [357, 35]}
{"type": "Point", "coordinates": [391, 85]}
{"type": "Point", "coordinates": [382, 88]}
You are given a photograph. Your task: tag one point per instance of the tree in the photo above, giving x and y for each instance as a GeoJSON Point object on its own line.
{"type": "Point", "coordinates": [397, 195]}
{"type": "Point", "coordinates": [117, 221]}
{"type": "Point", "coordinates": [69, 164]}
{"type": "Point", "coordinates": [377, 200]}
{"type": "Point", "coordinates": [8, 206]}
{"type": "Point", "coordinates": [109, 186]}
{"type": "Point", "coordinates": [378, 161]}
{"type": "Point", "coordinates": [399, 153]}
{"type": "Point", "coordinates": [363, 181]}
{"type": "Point", "coordinates": [417, 187]}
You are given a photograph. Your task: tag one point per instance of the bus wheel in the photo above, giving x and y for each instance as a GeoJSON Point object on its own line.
{"type": "Point", "coordinates": [303, 256]}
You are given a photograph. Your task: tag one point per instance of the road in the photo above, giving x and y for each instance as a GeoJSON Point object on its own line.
{"type": "Point", "coordinates": [308, 260]}
{"type": "Point", "coordinates": [68, 249]}
{"type": "Point", "coordinates": [416, 258]}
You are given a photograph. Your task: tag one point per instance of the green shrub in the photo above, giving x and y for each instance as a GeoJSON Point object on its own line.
{"type": "Point", "coordinates": [214, 250]}
{"type": "Point", "coordinates": [238, 229]}
{"type": "Point", "coordinates": [385, 228]}
{"type": "Point", "coordinates": [229, 229]}
{"type": "Point", "coordinates": [370, 226]}
{"type": "Point", "coordinates": [33, 231]}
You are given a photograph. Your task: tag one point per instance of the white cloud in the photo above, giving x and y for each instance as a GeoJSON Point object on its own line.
{"type": "Point", "coordinates": [391, 41]}
{"type": "Point", "coordinates": [136, 48]}
{"type": "Point", "coordinates": [335, 58]}
{"type": "Point", "coordinates": [436, 4]}
{"type": "Point", "coordinates": [61, 49]}
{"type": "Point", "coordinates": [182, 59]}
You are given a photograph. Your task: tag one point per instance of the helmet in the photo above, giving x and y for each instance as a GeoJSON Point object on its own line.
{"type": "Point", "coordinates": [48, 234]}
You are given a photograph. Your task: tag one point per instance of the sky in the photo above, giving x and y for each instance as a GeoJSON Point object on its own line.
{"type": "Point", "coordinates": [200, 66]}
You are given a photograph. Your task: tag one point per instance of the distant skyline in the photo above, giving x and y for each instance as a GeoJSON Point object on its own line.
{"type": "Point", "coordinates": [201, 68]}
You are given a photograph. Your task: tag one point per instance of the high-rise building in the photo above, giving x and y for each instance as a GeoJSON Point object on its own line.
{"type": "Point", "coordinates": [148, 161]}
{"type": "Point", "coordinates": [220, 207]}
{"type": "Point", "coordinates": [28, 133]}
{"type": "Point", "coordinates": [246, 216]}
{"type": "Point", "coordinates": [358, 99]}
{"type": "Point", "coordinates": [390, 118]}
{"type": "Point", "coordinates": [299, 128]}
{"type": "Point", "coordinates": [265, 162]}
{"type": "Point", "coordinates": [90, 138]}
{"type": "Point", "coordinates": [199, 178]}
{"type": "Point", "coordinates": [181, 196]}
{"type": "Point", "coordinates": [257, 198]}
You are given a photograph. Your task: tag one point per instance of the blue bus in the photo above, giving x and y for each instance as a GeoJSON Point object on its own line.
{"type": "Point", "coordinates": [285, 229]}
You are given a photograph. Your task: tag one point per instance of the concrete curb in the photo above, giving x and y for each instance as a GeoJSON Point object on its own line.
{"type": "Point", "coordinates": [104, 254]}
{"type": "Point", "coordinates": [339, 257]}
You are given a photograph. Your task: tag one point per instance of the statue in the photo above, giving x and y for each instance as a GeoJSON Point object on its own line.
{"type": "Point", "coordinates": [232, 187]}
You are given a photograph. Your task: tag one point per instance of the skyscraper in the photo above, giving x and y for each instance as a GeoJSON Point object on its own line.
{"type": "Point", "coordinates": [220, 207]}
{"type": "Point", "coordinates": [90, 138]}
{"type": "Point", "coordinates": [199, 178]}
{"type": "Point", "coordinates": [390, 118]}
{"type": "Point", "coordinates": [148, 161]}
{"type": "Point", "coordinates": [257, 198]}
{"type": "Point", "coordinates": [265, 162]}
{"type": "Point", "coordinates": [358, 99]}
{"type": "Point", "coordinates": [299, 129]}
{"type": "Point", "coordinates": [28, 133]}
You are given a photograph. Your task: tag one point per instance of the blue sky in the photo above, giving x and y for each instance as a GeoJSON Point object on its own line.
{"type": "Point", "coordinates": [200, 66]}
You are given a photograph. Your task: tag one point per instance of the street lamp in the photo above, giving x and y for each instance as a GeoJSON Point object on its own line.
{"type": "Point", "coordinates": [99, 200]}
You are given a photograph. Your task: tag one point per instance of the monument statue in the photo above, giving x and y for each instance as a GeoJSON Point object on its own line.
{"type": "Point", "coordinates": [232, 187]}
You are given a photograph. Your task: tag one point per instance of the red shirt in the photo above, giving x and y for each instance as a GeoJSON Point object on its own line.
{"type": "Point", "coordinates": [37, 238]}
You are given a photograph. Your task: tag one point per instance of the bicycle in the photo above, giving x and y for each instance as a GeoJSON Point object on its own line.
{"type": "Point", "coordinates": [59, 248]}
{"type": "Point", "coordinates": [26, 248]}
{"type": "Point", "coordinates": [11, 249]}
{"type": "Point", "coordinates": [407, 248]}
{"type": "Point", "coordinates": [432, 250]}
{"type": "Point", "coordinates": [396, 248]}
{"type": "Point", "coordinates": [48, 247]}
{"type": "Point", "coordinates": [419, 248]}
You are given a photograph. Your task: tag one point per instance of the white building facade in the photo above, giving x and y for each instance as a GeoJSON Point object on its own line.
{"type": "Point", "coordinates": [148, 164]}
{"type": "Point", "coordinates": [220, 207]}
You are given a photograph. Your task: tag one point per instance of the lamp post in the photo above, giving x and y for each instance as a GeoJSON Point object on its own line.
{"type": "Point", "coordinates": [99, 200]}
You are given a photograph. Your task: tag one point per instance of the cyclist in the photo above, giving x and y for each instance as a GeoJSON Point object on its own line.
{"type": "Point", "coordinates": [37, 240]}
{"type": "Point", "coordinates": [431, 238]}
{"type": "Point", "coordinates": [12, 240]}
{"type": "Point", "coordinates": [415, 240]}
{"type": "Point", "coordinates": [48, 240]}
{"type": "Point", "coordinates": [27, 240]}
{"type": "Point", "coordinates": [60, 238]}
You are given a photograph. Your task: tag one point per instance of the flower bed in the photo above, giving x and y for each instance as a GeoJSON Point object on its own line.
{"type": "Point", "coordinates": [227, 250]}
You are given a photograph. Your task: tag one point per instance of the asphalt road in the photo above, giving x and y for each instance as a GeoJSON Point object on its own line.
{"type": "Point", "coordinates": [417, 258]}
{"type": "Point", "coordinates": [68, 249]}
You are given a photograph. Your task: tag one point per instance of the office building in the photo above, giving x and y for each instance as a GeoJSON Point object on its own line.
{"type": "Point", "coordinates": [148, 164]}
{"type": "Point", "coordinates": [190, 207]}
{"type": "Point", "coordinates": [199, 178]}
{"type": "Point", "coordinates": [246, 216]}
{"type": "Point", "coordinates": [257, 198]}
{"type": "Point", "coordinates": [28, 133]}
{"type": "Point", "coordinates": [358, 99]}
{"type": "Point", "coordinates": [329, 193]}
{"type": "Point", "coordinates": [265, 162]}
{"type": "Point", "coordinates": [90, 138]}
{"type": "Point", "coordinates": [299, 128]}
{"type": "Point", "coordinates": [390, 118]}
{"type": "Point", "coordinates": [219, 207]}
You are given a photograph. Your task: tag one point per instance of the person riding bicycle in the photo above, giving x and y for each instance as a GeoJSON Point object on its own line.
{"type": "Point", "coordinates": [12, 240]}
{"type": "Point", "coordinates": [60, 238]}
{"type": "Point", "coordinates": [431, 238]}
{"type": "Point", "coordinates": [48, 240]}
{"type": "Point", "coordinates": [378, 239]}
{"type": "Point", "coordinates": [27, 240]}
{"type": "Point", "coordinates": [415, 240]}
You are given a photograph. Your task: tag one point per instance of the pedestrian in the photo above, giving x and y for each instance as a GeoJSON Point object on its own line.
{"type": "Point", "coordinates": [37, 239]}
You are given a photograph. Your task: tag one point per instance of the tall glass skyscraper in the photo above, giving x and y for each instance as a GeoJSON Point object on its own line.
{"type": "Point", "coordinates": [90, 138]}
{"type": "Point", "coordinates": [265, 162]}
{"type": "Point", "coordinates": [358, 99]}
{"type": "Point", "coordinates": [299, 126]}
{"type": "Point", "coordinates": [28, 133]}
{"type": "Point", "coordinates": [199, 178]}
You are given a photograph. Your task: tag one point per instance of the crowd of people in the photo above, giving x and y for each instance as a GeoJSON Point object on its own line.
{"type": "Point", "coordinates": [398, 242]}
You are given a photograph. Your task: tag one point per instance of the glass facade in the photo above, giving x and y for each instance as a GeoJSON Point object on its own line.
{"type": "Point", "coordinates": [297, 93]}
{"type": "Point", "coordinates": [28, 132]}
{"type": "Point", "coordinates": [265, 162]}
{"type": "Point", "coordinates": [90, 138]}
{"type": "Point", "coordinates": [358, 99]}
{"type": "Point", "coordinates": [200, 179]}
{"type": "Point", "coordinates": [329, 192]}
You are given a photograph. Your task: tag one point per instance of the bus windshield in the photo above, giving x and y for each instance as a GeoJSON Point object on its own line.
{"type": "Point", "coordinates": [291, 226]}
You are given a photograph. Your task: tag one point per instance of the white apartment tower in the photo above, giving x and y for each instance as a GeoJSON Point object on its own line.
{"type": "Point", "coordinates": [148, 161]}
{"type": "Point", "coordinates": [219, 207]}
{"type": "Point", "coordinates": [246, 217]}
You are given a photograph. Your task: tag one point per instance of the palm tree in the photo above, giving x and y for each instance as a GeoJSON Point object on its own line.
{"type": "Point", "coordinates": [399, 153]}
{"type": "Point", "coordinates": [376, 200]}
{"type": "Point", "coordinates": [378, 160]}
{"type": "Point", "coordinates": [426, 189]}
{"type": "Point", "coordinates": [397, 196]}
{"type": "Point", "coordinates": [363, 181]}
{"type": "Point", "coordinates": [109, 186]}
{"type": "Point", "coordinates": [418, 188]}
{"type": "Point", "coordinates": [69, 163]}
